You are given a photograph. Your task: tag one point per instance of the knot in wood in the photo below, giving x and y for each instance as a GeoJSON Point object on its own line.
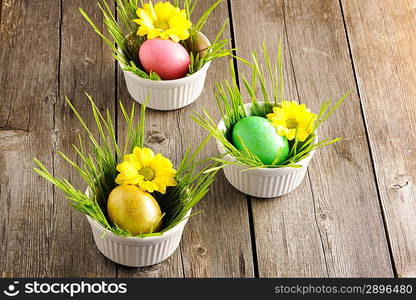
{"type": "Point", "coordinates": [201, 251]}
{"type": "Point", "coordinates": [155, 137]}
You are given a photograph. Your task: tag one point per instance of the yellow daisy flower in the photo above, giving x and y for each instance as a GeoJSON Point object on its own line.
{"type": "Point", "coordinates": [292, 120]}
{"type": "Point", "coordinates": [162, 20]}
{"type": "Point", "coordinates": [145, 169]}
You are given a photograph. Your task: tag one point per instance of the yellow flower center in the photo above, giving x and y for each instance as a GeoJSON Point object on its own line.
{"type": "Point", "coordinates": [292, 120]}
{"type": "Point", "coordinates": [291, 123]}
{"type": "Point", "coordinates": [162, 24]}
{"type": "Point", "coordinates": [147, 173]}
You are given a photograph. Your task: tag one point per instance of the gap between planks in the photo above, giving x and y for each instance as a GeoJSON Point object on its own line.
{"type": "Point", "coordinates": [249, 200]}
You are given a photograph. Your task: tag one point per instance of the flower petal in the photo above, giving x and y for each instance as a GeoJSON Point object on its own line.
{"type": "Point", "coordinates": [149, 186]}
{"type": "Point", "coordinates": [292, 119]}
{"type": "Point", "coordinates": [143, 30]}
{"type": "Point", "coordinates": [163, 20]}
{"type": "Point", "coordinates": [143, 156]}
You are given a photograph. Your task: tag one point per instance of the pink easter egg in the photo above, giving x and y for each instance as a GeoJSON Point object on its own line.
{"type": "Point", "coordinates": [168, 59]}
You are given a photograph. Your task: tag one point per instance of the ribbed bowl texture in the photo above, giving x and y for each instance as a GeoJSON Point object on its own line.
{"type": "Point", "coordinates": [137, 251]}
{"type": "Point", "coordinates": [168, 94]}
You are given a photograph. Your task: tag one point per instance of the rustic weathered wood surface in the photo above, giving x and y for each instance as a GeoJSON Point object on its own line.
{"type": "Point", "coordinates": [343, 216]}
{"type": "Point", "coordinates": [354, 214]}
{"type": "Point", "coordinates": [382, 50]}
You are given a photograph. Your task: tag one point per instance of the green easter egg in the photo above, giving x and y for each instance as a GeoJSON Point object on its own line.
{"type": "Point", "coordinates": [260, 137]}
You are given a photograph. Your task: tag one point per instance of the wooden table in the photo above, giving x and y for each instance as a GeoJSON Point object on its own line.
{"type": "Point", "coordinates": [355, 212]}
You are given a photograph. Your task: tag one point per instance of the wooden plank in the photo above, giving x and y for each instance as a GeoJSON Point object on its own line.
{"type": "Point", "coordinates": [217, 242]}
{"type": "Point", "coordinates": [86, 66]}
{"type": "Point", "coordinates": [382, 48]}
{"type": "Point", "coordinates": [344, 212]}
{"type": "Point", "coordinates": [287, 236]}
{"type": "Point", "coordinates": [161, 136]}
{"type": "Point", "coordinates": [28, 92]}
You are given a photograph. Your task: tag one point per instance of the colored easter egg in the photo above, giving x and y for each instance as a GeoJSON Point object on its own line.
{"type": "Point", "coordinates": [168, 59]}
{"type": "Point", "coordinates": [260, 137]}
{"type": "Point", "coordinates": [133, 209]}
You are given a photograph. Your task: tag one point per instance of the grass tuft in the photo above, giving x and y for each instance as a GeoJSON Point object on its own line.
{"type": "Point", "coordinates": [98, 157]}
{"type": "Point", "coordinates": [124, 43]}
{"type": "Point", "coordinates": [266, 83]}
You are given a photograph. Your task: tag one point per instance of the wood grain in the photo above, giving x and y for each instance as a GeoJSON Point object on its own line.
{"type": "Point", "coordinates": [28, 93]}
{"type": "Point", "coordinates": [1, 7]}
{"type": "Point", "coordinates": [382, 46]}
{"type": "Point", "coordinates": [345, 206]}
{"type": "Point", "coordinates": [85, 66]}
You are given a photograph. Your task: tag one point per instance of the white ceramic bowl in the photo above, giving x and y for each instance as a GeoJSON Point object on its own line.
{"type": "Point", "coordinates": [263, 182]}
{"type": "Point", "coordinates": [169, 94]}
{"type": "Point", "coordinates": [137, 251]}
